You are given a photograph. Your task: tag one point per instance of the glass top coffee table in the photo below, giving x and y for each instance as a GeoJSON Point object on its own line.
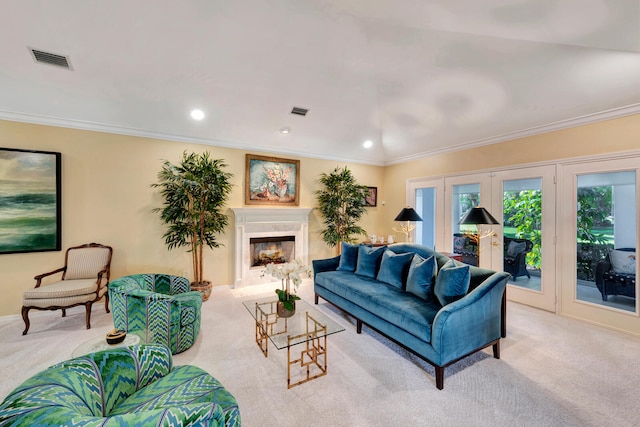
{"type": "Point", "coordinates": [308, 327]}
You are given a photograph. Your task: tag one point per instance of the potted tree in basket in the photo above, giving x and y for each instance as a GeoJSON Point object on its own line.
{"type": "Point", "coordinates": [341, 202]}
{"type": "Point", "coordinates": [195, 192]}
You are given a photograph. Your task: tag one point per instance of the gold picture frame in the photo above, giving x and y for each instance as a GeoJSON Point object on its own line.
{"type": "Point", "coordinates": [271, 181]}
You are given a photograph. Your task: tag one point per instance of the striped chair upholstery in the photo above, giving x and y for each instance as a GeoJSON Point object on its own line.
{"type": "Point", "coordinates": [132, 386]}
{"type": "Point", "coordinates": [161, 307]}
{"type": "Point", "coordinates": [85, 279]}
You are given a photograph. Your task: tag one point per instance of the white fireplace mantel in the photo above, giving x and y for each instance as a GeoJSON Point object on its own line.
{"type": "Point", "coordinates": [267, 222]}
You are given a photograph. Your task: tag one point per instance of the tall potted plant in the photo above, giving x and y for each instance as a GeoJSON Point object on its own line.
{"type": "Point", "coordinates": [341, 202]}
{"type": "Point", "coordinates": [195, 192]}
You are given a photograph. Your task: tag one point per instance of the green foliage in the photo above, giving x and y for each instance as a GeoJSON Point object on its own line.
{"type": "Point", "coordinates": [341, 203]}
{"type": "Point", "coordinates": [523, 210]}
{"type": "Point", "coordinates": [286, 299]}
{"type": "Point", "coordinates": [195, 192]}
{"type": "Point", "coordinates": [594, 208]}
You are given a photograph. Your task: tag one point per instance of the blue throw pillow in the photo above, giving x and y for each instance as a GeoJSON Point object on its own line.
{"type": "Point", "coordinates": [348, 257]}
{"type": "Point", "coordinates": [422, 274]}
{"type": "Point", "coordinates": [393, 268]}
{"type": "Point", "coordinates": [452, 282]}
{"type": "Point", "coordinates": [369, 260]}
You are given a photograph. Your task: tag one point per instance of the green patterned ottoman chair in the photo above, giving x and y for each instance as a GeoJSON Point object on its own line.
{"type": "Point", "coordinates": [126, 386]}
{"type": "Point", "coordinates": [160, 307]}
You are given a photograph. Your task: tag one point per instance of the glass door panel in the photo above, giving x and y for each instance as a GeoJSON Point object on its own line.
{"type": "Point", "coordinates": [426, 207]}
{"type": "Point", "coordinates": [522, 231]}
{"type": "Point", "coordinates": [606, 239]}
{"type": "Point", "coordinates": [524, 200]}
{"type": "Point", "coordinates": [427, 198]}
{"type": "Point", "coordinates": [461, 194]}
{"type": "Point", "coordinates": [598, 241]}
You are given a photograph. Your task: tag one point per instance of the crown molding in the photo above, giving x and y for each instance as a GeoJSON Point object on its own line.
{"type": "Point", "coordinates": [613, 113]}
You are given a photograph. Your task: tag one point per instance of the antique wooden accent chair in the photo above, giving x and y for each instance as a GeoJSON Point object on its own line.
{"type": "Point", "coordinates": [85, 277]}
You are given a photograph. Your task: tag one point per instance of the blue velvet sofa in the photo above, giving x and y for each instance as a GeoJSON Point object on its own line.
{"type": "Point", "coordinates": [438, 308]}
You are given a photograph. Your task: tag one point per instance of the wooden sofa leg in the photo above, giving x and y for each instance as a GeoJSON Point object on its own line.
{"type": "Point", "coordinates": [439, 377]}
{"type": "Point", "coordinates": [358, 326]}
{"type": "Point", "coordinates": [88, 314]}
{"type": "Point", "coordinates": [64, 312]}
{"type": "Point", "coordinates": [316, 299]}
{"type": "Point", "coordinates": [496, 350]}
{"type": "Point", "coordinates": [106, 302]}
{"type": "Point", "coordinates": [25, 317]}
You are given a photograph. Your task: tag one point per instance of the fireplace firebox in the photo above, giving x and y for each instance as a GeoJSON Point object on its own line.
{"type": "Point", "coordinates": [267, 250]}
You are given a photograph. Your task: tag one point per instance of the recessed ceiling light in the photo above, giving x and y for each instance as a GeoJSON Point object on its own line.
{"type": "Point", "coordinates": [367, 144]}
{"type": "Point", "coordinates": [197, 114]}
{"type": "Point", "coordinates": [285, 130]}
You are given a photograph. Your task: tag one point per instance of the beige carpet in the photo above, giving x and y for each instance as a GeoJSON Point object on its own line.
{"type": "Point", "coordinates": [554, 371]}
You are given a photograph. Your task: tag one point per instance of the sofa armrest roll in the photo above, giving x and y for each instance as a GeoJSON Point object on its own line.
{"type": "Point", "coordinates": [328, 264]}
{"type": "Point", "coordinates": [471, 322]}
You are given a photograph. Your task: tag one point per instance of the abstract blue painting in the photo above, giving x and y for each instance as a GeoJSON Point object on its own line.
{"type": "Point", "coordinates": [30, 213]}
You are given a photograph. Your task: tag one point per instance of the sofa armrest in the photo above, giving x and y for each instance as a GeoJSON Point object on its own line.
{"type": "Point", "coordinates": [327, 264]}
{"type": "Point", "coordinates": [470, 323]}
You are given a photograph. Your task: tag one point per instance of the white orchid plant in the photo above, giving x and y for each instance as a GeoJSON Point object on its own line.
{"type": "Point", "coordinates": [289, 272]}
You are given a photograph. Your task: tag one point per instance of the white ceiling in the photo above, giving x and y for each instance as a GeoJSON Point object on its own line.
{"type": "Point", "coordinates": [416, 77]}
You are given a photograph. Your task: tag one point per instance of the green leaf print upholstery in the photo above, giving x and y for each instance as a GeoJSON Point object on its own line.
{"type": "Point", "coordinates": [125, 386]}
{"type": "Point", "coordinates": [159, 306]}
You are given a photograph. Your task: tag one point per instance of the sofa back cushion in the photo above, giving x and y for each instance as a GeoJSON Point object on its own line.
{"type": "Point", "coordinates": [369, 261]}
{"type": "Point", "coordinates": [452, 282]}
{"type": "Point", "coordinates": [348, 257]}
{"type": "Point", "coordinates": [422, 274]}
{"type": "Point", "coordinates": [393, 268]}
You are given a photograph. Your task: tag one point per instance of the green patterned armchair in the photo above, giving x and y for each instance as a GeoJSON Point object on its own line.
{"type": "Point", "coordinates": [126, 386]}
{"type": "Point", "coordinates": [160, 307]}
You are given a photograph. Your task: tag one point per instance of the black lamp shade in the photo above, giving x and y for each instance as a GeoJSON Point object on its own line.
{"type": "Point", "coordinates": [478, 216]}
{"type": "Point", "coordinates": [408, 214]}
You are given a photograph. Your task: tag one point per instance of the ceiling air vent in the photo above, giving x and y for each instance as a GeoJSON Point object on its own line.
{"type": "Point", "coordinates": [50, 58]}
{"type": "Point", "coordinates": [299, 111]}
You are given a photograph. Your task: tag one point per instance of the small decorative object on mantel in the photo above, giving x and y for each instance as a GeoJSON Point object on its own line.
{"type": "Point", "coordinates": [289, 272]}
{"type": "Point", "coordinates": [116, 336]}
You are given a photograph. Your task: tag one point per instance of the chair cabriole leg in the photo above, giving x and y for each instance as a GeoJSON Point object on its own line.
{"type": "Point", "coordinates": [88, 314]}
{"type": "Point", "coordinates": [25, 317]}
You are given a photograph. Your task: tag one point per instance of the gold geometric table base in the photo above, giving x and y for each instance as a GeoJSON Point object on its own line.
{"type": "Point", "coordinates": [314, 354]}
{"type": "Point", "coordinates": [313, 359]}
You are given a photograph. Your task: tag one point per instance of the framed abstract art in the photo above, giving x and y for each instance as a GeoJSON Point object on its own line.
{"type": "Point", "coordinates": [30, 201]}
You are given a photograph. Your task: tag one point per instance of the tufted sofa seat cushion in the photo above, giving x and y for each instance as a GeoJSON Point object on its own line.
{"type": "Point", "coordinates": [400, 308]}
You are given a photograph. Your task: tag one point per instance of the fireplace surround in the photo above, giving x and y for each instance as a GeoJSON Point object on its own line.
{"type": "Point", "coordinates": [266, 224]}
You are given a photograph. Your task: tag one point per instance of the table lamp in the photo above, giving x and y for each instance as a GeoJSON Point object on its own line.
{"type": "Point", "coordinates": [478, 216]}
{"type": "Point", "coordinates": [407, 215]}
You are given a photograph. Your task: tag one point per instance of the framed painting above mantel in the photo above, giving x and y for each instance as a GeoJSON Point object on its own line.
{"type": "Point", "coordinates": [271, 181]}
{"type": "Point", "coordinates": [30, 201]}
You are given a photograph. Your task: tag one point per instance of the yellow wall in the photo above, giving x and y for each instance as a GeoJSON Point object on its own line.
{"type": "Point", "coordinates": [107, 198]}
{"type": "Point", "coordinates": [600, 138]}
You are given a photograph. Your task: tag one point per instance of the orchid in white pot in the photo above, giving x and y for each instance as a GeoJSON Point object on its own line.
{"type": "Point", "coordinates": [289, 273]}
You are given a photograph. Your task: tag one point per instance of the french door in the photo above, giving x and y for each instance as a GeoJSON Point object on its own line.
{"type": "Point", "coordinates": [524, 202]}
{"type": "Point", "coordinates": [598, 240]}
